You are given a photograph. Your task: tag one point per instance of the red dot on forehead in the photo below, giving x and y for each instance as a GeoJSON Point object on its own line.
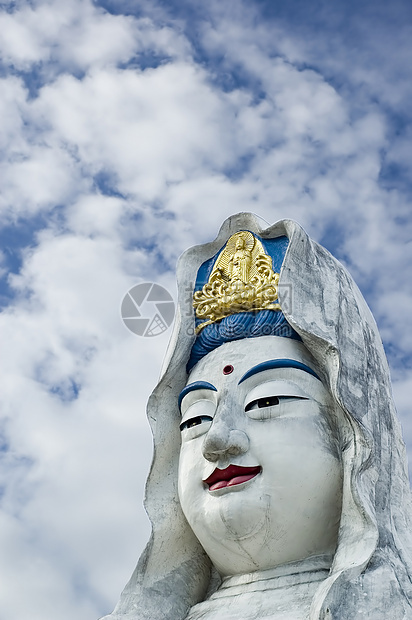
{"type": "Point", "coordinates": [228, 369]}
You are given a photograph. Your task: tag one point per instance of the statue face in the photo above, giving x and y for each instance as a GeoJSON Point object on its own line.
{"type": "Point", "coordinates": [260, 479]}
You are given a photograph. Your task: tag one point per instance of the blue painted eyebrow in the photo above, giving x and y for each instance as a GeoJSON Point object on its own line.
{"type": "Point", "coordinates": [283, 363]}
{"type": "Point", "coordinates": [196, 385]}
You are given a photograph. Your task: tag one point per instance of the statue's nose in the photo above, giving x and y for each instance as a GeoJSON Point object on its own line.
{"type": "Point", "coordinates": [222, 441]}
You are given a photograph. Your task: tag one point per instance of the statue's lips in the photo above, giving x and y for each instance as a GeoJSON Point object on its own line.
{"type": "Point", "coordinates": [232, 475]}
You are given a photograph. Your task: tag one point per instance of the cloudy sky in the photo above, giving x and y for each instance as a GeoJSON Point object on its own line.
{"type": "Point", "coordinates": [129, 130]}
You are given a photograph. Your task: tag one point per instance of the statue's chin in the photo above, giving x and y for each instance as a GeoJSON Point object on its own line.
{"type": "Point", "coordinates": [240, 520]}
{"type": "Point", "coordinates": [246, 534]}
{"type": "Point", "coordinates": [235, 534]}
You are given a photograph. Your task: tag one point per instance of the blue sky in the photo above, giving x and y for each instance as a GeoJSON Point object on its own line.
{"type": "Point", "coordinates": [129, 131]}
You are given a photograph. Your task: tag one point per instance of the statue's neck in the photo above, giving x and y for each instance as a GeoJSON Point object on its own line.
{"type": "Point", "coordinates": [315, 568]}
{"type": "Point", "coordinates": [281, 593]}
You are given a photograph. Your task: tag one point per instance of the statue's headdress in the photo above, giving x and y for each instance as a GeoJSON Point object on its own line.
{"type": "Point", "coordinates": [236, 293]}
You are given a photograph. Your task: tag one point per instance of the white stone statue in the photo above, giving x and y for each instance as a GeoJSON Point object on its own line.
{"type": "Point", "coordinates": [279, 485]}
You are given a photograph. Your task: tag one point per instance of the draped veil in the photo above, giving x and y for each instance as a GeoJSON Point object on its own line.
{"type": "Point", "coordinates": [372, 569]}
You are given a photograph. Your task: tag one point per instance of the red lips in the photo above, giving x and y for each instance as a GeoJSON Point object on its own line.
{"type": "Point", "coordinates": [234, 474]}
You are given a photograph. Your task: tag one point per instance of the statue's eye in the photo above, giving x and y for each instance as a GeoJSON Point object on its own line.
{"type": "Point", "coordinates": [195, 421]}
{"type": "Point", "coordinates": [262, 402]}
{"type": "Point", "coordinates": [270, 401]}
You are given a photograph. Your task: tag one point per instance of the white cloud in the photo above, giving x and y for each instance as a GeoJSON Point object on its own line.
{"type": "Point", "coordinates": [12, 100]}
{"type": "Point", "coordinates": [73, 448]}
{"type": "Point", "coordinates": [43, 179]}
{"type": "Point", "coordinates": [71, 32]}
{"type": "Point", "coordinates": [73, 35]}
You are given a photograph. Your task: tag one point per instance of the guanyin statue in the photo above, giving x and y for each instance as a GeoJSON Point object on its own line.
{"type": "Point", "coordinates": [279, 485]}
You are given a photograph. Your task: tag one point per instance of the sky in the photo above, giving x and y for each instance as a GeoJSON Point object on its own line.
{"type": "Point", "coordinates": [129, 131]}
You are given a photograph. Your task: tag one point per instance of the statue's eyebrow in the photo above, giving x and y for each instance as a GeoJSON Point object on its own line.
{"type": "Point", "coordinates": [282, 363]}
{"type": "Point", "coordinates": [196, 385]}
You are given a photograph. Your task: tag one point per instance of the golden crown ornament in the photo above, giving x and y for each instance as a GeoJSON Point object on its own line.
{"type": "Point", "coordinates": [242, 280]}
